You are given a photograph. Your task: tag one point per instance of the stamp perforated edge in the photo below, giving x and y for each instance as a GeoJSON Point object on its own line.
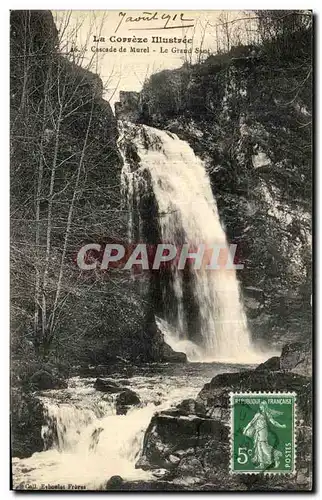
{"type": "Point", "coordinates": [231, 431]}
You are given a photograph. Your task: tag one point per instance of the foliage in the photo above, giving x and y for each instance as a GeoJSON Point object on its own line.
{"type": "Point", "coordinates": [65, 191]}
{"type": "Point", "coordinates": [26, 422]}
{"type": "Point", "coordinates": [247, 113]}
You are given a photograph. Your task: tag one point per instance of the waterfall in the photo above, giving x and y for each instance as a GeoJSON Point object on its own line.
{"type": "Point", "coordinates": [86, 442]}
{"type": "Point", "coordinates": [216, 329]}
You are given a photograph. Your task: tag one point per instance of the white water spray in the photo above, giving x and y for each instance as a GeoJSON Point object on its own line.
{"type": "Point", "coordinates": [86, 442]}
{"type": "Point", "coordinates": [187, 209]}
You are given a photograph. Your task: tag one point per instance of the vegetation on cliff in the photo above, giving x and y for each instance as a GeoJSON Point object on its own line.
{"type": "Point", "coordinates": [247, 113]}
{"type": "Point", "coordinates": [65, 191]}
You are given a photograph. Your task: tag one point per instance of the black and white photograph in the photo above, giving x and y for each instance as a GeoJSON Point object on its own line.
{"type": "Point", "coordinates": [161, 199]}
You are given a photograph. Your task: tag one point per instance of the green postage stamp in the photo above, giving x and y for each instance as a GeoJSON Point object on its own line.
{"type": "Point", "coordinates": [263, 432]}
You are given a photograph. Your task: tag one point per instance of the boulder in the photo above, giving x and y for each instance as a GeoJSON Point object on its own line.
{"type": "Point", "coordinates": [114, 483]}
{"type": "Point", "coordinates": [216, 394]}
{"type": "Point", "coordinates": [297, 358]}
{"type": "Point", "coordinates": [191, 407]}
{"type": "Point", "coordinates": [108, 385]}
{"type": "Point", "coordinates": [190, 466]}
{"type": "Point", "coordinates": [43, 379]}
{"type": "Point", "coordinates": [272, 364]}
{"type": "Point", "coordinates": [125, 400]}
{"type": "Point", "coordinates": [170, 438]}
{"type": "Point", "coordinates": [171, 356]}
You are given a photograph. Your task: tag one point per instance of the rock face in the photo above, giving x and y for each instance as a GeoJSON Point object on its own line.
{"type": "Point", "coordinates": [229, 110]}
{"type": "Point", "coordinates": [43, 380]}
{"type": "Point", "coordinates": [215, 394]}
{"type": "Point", "coordinates": [272, 364]}
{"type": "Point", "coordinates": [160, 351]}
{"type": "Point", "coordinates": [125, 400]}
{"type": "Point", "coordinates": [191, 441]}
{"type": "Point", "coordinates": [27, 418]}
{"type": "Point", "coordinates": [184, 442]}
{"type": "Point", "coordinates": [297, 358]}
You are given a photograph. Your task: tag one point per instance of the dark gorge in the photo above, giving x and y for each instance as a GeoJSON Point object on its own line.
{"type": "Point", "coordinates": [121, 380]}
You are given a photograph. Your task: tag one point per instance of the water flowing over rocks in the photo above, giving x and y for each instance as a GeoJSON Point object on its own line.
{"type": "Point", "coordinates": [192, 439]}
{"type": "Point", "coordinates": [205, 307]}
{"type": "Point", "coordinates": [234, 112]}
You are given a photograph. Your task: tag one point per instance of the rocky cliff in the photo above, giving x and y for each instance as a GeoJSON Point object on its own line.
{"type": "Point", "coordinates": [65, 192]}
{"type": "Point", "coordinates": [248, 115]}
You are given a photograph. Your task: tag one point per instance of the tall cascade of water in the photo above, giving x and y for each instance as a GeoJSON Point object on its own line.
{"type": "Point", "coordinates": [188, 212]}
{"type": "Point", "coordinates": [85, 441]}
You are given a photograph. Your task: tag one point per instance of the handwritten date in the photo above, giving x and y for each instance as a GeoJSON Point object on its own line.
{"type": "Point", "coordinates": [165, 21]}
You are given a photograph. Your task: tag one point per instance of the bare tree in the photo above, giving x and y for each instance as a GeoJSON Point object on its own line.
{"type": "Point", "coordinates": [64, 78]}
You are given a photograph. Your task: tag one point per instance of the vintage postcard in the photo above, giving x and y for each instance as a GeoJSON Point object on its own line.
{"type": "Point", "coordinates": [161, 270]}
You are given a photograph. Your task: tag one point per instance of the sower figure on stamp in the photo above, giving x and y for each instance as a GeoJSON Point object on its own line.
{"type": "Point", "coordinates": [263, 453]}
